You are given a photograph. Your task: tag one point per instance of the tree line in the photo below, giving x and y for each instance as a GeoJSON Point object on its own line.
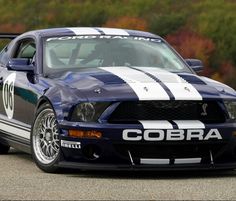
{"type": "Point", "coordinates": [202, 29]}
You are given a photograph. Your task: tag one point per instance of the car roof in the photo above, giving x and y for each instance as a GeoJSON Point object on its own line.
{"type": "Point", "coordinates": [70, 31]}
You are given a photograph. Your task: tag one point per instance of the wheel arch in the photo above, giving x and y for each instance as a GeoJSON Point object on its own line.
{"type": "Point", "coordinates": [45, 100]}
{"type": "Point", "coordinates": [41, 101]}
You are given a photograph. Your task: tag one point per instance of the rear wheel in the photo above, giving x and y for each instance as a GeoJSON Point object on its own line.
{"type": "Point", "coordinates": [4, 149]}
{"type": "Point", "coordinates": [45, 139]}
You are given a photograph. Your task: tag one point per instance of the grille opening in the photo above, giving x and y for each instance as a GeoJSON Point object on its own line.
{"type": "Point", "coordinates": [205, 111]}
{"type": "Point", "coordinates": [171, 151]}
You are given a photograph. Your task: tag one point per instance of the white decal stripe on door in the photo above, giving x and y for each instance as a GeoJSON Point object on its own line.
{"type": "Point", "coordinates": [16, 131]}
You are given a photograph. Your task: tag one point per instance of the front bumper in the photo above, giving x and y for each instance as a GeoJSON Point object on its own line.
{"type": "Point", "coordinates": [126, 167]}
{"type": "Point", "coordinates": [112, 152]}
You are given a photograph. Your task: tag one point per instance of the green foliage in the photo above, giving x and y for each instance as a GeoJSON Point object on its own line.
{"type": "Point", "coordinates": [168, 16]}
{"type": "Point", "coordinates": [3, 43]}
{"type": "Point", "coordinates": [206, 20]}
{"type": "Point", "coordinates": [217, 20]}
{"type": "Point", "coordinates": [167, 23]}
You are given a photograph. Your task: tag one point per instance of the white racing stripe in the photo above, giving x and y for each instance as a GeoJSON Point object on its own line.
{"type": "Point", "coordinates": [187, 160]}
{"type": "Point", "coordinates": [13, 124]}
{"type": "Point", "coordinates": [165, 161]}
{"type": "Point", "coordinates": [189, 124]}
{"type": "Point", "coordinates": [144, 86]}
{"type": "Point", "coordinates": [180, 88]}
{"type": "Point", "coordinates": [163, 124]}
{"type": "Point", "coordinates": [184, 91]}
{"type": "Point", "coordinates": [84, 31]}
{"type": "Point", "coordinates": [111, 31]}
{"type": "Point", "coordinates": [153, 161]}
{"type": "Point", "coordinates": [156, 124]}
{"type": "Point", "coordinates": [14, 130]}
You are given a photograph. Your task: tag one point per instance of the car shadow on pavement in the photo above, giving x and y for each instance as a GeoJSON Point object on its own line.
{"type": "Point", "coordinates": [14, 153]}
{"type": "Point", "coordinates": [149, 174]}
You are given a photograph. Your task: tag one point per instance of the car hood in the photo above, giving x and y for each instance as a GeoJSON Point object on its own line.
{"type": "Point", "coordinates": [141, 83]}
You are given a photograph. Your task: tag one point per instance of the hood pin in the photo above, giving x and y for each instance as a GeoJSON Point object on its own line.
{"type": "Point", "coordinates": [98, 91]}
{"type": "Point", "coordinates": [187, 89]}
{"type": "Point", "coordinates": [146, 89]}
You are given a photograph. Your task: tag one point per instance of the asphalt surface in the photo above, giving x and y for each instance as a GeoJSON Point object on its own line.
{"type": "Point", "coordinates": [20, 179]}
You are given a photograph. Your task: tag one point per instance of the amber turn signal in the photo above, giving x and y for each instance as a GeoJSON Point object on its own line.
{"type": "Point", "coordinates": [234, 133]}
{"type": "Point", "coordinates": [85, 134]}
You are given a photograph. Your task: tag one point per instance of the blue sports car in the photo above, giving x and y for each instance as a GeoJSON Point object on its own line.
{"type": "Point", "coordinates": [112, 99]}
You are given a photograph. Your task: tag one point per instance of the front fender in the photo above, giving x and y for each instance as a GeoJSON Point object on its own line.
{"type": "Point", "coordinates": [62, 100]}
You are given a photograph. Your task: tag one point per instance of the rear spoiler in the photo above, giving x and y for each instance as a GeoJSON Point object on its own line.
{"type": "Point", "coordinates": [8, 35]}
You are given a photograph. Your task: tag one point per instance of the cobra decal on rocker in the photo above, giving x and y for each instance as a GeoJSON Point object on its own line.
{"type": "Point", "coordinates": [170, 135]}
{"type": "Point", "coordinates": [8, 95]}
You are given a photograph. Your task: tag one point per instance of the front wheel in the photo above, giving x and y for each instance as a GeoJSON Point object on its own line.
{"type": "Point", "coordinates": [45, 145]}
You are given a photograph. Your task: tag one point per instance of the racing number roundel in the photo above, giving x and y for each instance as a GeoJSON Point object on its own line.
{"type": "Point", "coordinates": [8, 95]}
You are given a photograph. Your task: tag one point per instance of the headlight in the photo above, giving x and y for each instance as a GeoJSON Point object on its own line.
{"type": "Point", "coordinates": [89, 111]}
{"type": "Point", "coordinates": [231, 108]}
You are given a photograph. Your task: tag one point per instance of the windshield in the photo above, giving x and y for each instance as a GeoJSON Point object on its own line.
{"type": "Point", "coordinates": [74, 52]}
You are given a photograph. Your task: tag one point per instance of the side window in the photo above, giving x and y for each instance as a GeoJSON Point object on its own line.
{"type": "Point", "coordinates": [4, 57]}
{"type": "Point", "coordinates": [26, 49]}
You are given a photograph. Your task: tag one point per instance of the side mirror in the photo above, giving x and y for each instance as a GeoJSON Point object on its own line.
{"type": "Point", "coordinates": [195, 64]}
{"type": "Point", "coordinates": [20, 64]}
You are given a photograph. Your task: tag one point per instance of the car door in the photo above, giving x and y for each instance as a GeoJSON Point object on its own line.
{"type": "Point", "coordinates": [4, 57]}
{"type": "Point", "coordinates": [17, 100]}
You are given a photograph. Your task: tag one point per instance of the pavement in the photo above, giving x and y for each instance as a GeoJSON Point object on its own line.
{"type": "Point", "coordinates": [20, 179]}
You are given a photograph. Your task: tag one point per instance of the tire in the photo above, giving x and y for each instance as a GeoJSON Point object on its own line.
{"type": "Point", "coordinates": [4, 149]}
{"type": "Point", "coordinates": [45, 147]}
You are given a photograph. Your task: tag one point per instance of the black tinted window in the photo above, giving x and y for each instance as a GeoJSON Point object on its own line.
{"type": "Point", "coordinates": [4, 57]}
{"type": "Point", "coordinates": [26, 49]}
